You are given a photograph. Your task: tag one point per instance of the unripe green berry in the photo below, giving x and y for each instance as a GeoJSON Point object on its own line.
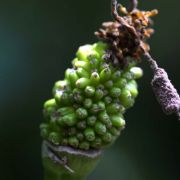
{"type": "Point", "coordinates": [121, 83]}
{"type": "Point", "coordinates": [81, 125]}
{"type": "Point", "coordinates": [84, 51]}
{"type": "Point", "coordinates": [113, 108]}
{"type": "Point", "coordinates": [84, 145]}
{"type": "Point", "coordinates": [82, 83]}
{"type": "Point", "coordinates": [105, 74]}
{"type": "Point", "coordinates": [60, 121]}
{"type": "Point", "coordinates": [136, 72]}
{"type": "Point", "coordinates": [65, 111]}
{"type": "Point", "coordinates": [132, 87]}
{"type": "Point", "coordinates": [104, 117]}
{"type": "Point", "coordinates": [116, 75]}
{"type": "Point", "coordinates": [50, 103]}
{"type": "Point", "coordinates": [100, 128]}
{"type": "Point", "coordinates": [128, 75]}
{"type": "Point", "coordinates": [89, 91]}
{"type": "Point", "coordinates": [89, 134]}
{"type": "Point", "coordinates": [78, 98]}
{"type": "Point", "coordinates": [71, 76]}
{"type": "Point", "coordinates": [88, 103]}
{"type": "Point", "coordinates": [126, 98]}
{"type": "Point", "coordinates": [73, 141]}
{"type": "Point", "coordinates": [95, 109]}
{"type": "Point", "coordinates": [54, 138]}
{"type": "Point", "coordinates": [117, 121]}
{"type": "Point", "coordinates": [107, 137]}
{"type": "Point", "coordinates": [82, 64]}
{"type": "Point", "coordinates": [94, 79]}
{"type": "Point", "coordinates": [91, 120]}
{"type": "Point", "coordinates": [74, 61]}
{"type": "Point", "coordinates": [97, 143]}
{"type": "Point", "coordinates": [115, 92]}
{"type": "Point", "coordinates": [98, 94]}
{"type": "Point", "coordinates": [94, 62]}
{"type": "Point", "coordinates": [114, 131]}
{"type": "Point", "coordinates": [108, 100]}
{"type": "Point", "coordinates": [103, 66]}
{"type": "Point", "coordinates": [100, 47]}
{"type": "Point", "coordinates": [78, 95]}
{"type": "Point", "coordinates": [80, 136]}
{"type": "Point", "coordinates": [70, 119]}
{"type": "Point", "coordinates": [50, 108]}
{"type": "Point", "coordinates": [72, 131]}
{"type": "Point", "coordinates": [82, 73]}
{"type": "Point", "coordinates": [101, 105]}
{"type": "Point", "coordinates": [109, 84]}
{"type": "Point", "coordinates": [81, 113]}
{"type": "Point", "coordinates": [44, 130]}
{"type": "Point", "coordinates": [62, 98]}
{"type": "Point", "coordinates": [60, 85]}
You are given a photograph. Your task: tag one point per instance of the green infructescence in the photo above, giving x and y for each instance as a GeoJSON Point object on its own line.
{"type": "Point", "coordinates": [87, 108]}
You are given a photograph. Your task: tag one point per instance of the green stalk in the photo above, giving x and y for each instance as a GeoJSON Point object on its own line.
{"type": "Point", "coordinates": [66, 163]}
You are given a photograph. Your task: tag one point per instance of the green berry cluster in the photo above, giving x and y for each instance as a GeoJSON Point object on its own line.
{"type": "Point", "coordinates": [87, 108]}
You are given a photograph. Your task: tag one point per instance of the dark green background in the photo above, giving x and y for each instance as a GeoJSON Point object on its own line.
{"type": "Point", "coordinates": [38, 39]}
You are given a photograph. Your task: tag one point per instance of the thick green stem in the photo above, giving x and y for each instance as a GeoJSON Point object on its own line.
{"type": "Point", "coordinates": [66, 163]}
{"type": "Point", "coordinates": [49, 175]}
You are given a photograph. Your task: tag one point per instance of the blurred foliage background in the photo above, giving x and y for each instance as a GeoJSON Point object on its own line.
{"type": "Point", "coordinates": [38, 40]}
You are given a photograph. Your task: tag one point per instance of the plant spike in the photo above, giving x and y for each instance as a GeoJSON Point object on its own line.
{"type": "Point", "coordinates": [86, 112]}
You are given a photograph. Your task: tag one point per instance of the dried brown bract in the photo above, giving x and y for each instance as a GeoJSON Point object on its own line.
{"type": "Point", "coordinates": [127, 34]}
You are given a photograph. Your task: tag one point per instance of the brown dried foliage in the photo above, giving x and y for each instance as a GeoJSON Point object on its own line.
{"type": "Point", "coordinates": [127, 34]}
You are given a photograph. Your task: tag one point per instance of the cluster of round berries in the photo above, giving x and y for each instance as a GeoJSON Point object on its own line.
{"type": "Point", "coordinates": [88, 105]}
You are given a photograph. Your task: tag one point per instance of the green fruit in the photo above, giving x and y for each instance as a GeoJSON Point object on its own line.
{"type": "Point", "coordinates": [80, 136]}
{"type": "Point", "coordinates": [89, 134]}
{"type": "Point", "coordinates": [105, 74]}
{"type": "Point", "coordinates": [99, 93]}
{"type": "Point", "coordinates": [84, 145]}
{"type": "Point", "coordinates": [82, 64]}
{"type": "Point", "coordinates": [100, 128]}
{"type": "Point", "coordinates": [116, 75]}
{"type": "Point", "coordinates": [117, 121]}
{"type": "Point", "coordinates": [84, 52]}
{"type": "Point", "coordinates": [86, 111]}
{"type": "Point", "coordinates": [113, 108]}
{"type": "Point", "coordinates": [97, 143]}
{"type": "Point", "coordinates": [70, 119]}
{"type": "Point", "coordinates": [88, 103]}
{"type": "Point", "coordinates": [81, 125]}
{"type": "Point", "coordinates": [136, 72]}
{"type": "Point", "coordinates": [89, 91]}
{"type": "Point", "coordinates": [82, 83]}
{"type": "Point", "coordinates": [115, 92]}
{"type": "Point", "coordinates": [107, 137]}
{"type": "Point", "coordinates": [132, 87]}
{"type": "Point", "coordinates": [94, 79]}
{"type": "Point", "coordinates": [109, 84]}
{"type": "Point", "coordinates": [91, 120]}
{"type": "Point", "coordinates": [81, 113]}
{"type": "Point", "coordinates": [71, 76]}
{"type": "Point", "coordinates": [126, 98]}
{"type": "Point", "coordinates": [73, 141]}
{"type": "Point", "coordinates": [82, 73]}
{"type": "Point", "coordinates": [65, 111]}
{"type": "Point", "coordinates": [54, 138]}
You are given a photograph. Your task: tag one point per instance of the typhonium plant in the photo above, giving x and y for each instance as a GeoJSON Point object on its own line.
{"type": "Point", "coordinates": [86, 112]}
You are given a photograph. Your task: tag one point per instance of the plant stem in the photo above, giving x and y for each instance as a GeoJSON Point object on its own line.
{"type": "Point", "coordinates": [66, 163]}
